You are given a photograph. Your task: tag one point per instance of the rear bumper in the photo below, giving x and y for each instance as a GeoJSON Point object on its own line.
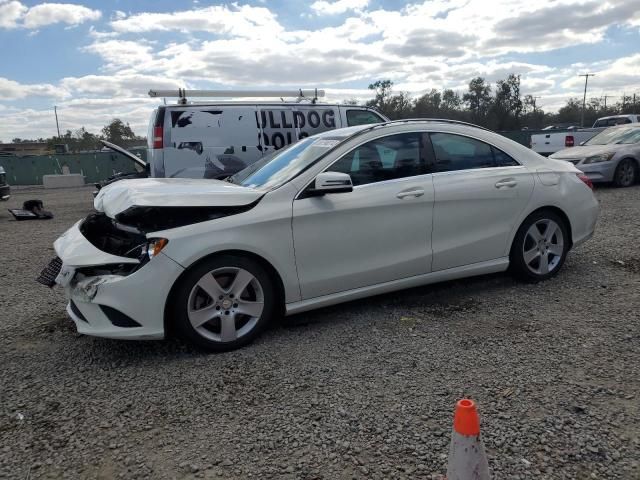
{"type": "Point", "coordinates": [583, 221]}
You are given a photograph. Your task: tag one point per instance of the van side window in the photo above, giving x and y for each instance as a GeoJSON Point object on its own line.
{"type": "Point", "coordinates": [362, 117]}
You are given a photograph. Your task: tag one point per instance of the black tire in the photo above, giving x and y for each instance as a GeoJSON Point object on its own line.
{"type": "Point", "coordinates": [626, 173]}
{"type": "Point", "coordinates": [182, 295]}
{"type": "Point", "coordinates": [522, 240]}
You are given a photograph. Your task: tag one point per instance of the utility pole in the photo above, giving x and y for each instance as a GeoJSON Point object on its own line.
{"type": "Point", "coordinates": [584, 99]}
{"type": "Point", "coordinates": [55, 110]}
{"type": "Point", "coordinates": [605, 100]}
{"type": "Point", "coordinates": [634, 103]}
{"type": "Point", "coordinates": [534, 103]}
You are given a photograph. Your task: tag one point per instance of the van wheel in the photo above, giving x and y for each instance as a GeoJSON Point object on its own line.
{"type": "Point", "coordinates": [626, 173]}
{"type": "Point", "coordinates": [540, 247]}
{"type": "Point", "coordinates": [223, 303]}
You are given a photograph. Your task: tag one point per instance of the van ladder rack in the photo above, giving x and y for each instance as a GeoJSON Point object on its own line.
{"type": "Point", "coordinates": [182, 94]}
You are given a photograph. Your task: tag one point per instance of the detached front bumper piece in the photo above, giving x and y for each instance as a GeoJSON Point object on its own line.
{"type": "Point", "coordinates": [5, 192]}
{"type": "Point", "coordinates": [125, 306]}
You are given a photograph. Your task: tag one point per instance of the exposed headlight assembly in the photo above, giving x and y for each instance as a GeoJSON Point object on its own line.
{"type": "Point", "coordinates": [154, 247]}
{"type": "Point", "coordinates": [601, 157]}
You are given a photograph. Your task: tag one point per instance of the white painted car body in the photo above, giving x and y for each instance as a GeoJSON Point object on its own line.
{"type": "Point", "coordinates": [328, 249]}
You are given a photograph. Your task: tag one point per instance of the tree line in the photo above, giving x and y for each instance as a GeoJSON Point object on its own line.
{"type": "Point", "coordinates": [116, 131]}
{"type": "Point", "coordinates": [501, 107]}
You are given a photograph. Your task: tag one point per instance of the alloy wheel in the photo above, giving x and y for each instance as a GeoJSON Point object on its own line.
{"type": "Point", "coordinates": [543, 247]}
{"type": "Point", "coordinates": [225, 304]}
{"type": "Point", "coordinates": [625, 173]}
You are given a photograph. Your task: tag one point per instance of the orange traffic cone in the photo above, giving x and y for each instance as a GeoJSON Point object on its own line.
{"type": "Point", "coordinates": [467, 458]}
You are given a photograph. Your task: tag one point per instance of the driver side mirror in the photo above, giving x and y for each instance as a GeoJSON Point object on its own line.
{"type": "Point", "coordinates": [330, 182]}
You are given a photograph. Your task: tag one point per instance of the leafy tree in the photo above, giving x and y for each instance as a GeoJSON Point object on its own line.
{"type": "Point", "coordinates": [507, 105]}
{"type": "Point", "coordinates": [429, 104]}
{"type": "Point", "coordinates": [382, 96]}
{"type": "Point", "coordinates": [117, 131]}
{"type": "Point", "coordinates": [478, 98]}
{"type": "Point", "coordinates": [451, 101]}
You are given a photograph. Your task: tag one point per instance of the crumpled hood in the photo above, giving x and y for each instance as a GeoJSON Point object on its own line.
{"type": "Point", "coordinates": [171, 192]}
{"type": "Point", "coordinates": [583, 151]}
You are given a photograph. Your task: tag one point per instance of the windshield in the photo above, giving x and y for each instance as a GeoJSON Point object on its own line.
{"type": "Point", "coordinates": [278, 168]}
{"type": "Point", "coordinates": [616, 135]}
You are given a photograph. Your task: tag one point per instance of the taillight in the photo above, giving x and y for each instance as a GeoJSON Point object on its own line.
{"type": "Point", "coordinates": [587, 181]}
{"type": "Point", "coordinates": [157, 137]}
{"type": "Point", "coordinates": [569, 141]}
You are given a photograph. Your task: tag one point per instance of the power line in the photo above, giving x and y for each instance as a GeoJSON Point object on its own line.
{"type": "Point", "coordinates": [584, 98]}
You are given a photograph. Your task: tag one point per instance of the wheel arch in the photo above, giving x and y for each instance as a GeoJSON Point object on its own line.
{"type": "Point", "coordinates": [633, 159]}
{"type": "Point", "coordinates": [264, 263]}
{"type": "Point", "coordinates": [558, 211]}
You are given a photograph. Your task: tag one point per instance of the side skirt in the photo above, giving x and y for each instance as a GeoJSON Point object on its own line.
{"type": "Point", "coordinates": [481, 268]}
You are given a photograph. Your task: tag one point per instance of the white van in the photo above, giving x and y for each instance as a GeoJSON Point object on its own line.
{"type": "Point", "coordinates": [215, 140]}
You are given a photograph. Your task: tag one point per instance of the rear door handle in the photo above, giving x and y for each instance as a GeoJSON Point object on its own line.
{"type": "Point", "coordinates": [507, 182]}
{"type": "Point", "coordinates": [416, 192]}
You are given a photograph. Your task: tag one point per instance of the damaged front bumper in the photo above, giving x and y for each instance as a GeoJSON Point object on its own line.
{"type": "Point", "coordinates": [126, 305]}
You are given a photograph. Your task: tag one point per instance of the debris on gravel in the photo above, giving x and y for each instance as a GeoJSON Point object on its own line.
{"type": "Point", "coordinates": [360, 390]}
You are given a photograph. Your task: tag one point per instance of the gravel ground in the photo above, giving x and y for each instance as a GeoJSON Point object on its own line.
{"type": "Point", "coordinates": [361, 390]}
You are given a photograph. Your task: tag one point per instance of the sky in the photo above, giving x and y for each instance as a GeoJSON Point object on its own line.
{"type": "Point", "coordinates": [96, 60]}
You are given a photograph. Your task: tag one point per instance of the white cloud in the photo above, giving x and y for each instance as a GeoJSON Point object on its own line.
{"type": "Point", "coordinates": [12, 90]}
{"type": "Point", "coordinates": [336, 7]}
{"type": "Point", "coordinates": [14, 14]}
{"type": "Point", "coordinates": [121, 53]}
{"type": "Point", "coordinates": [11, 13]}
{"type": "Point", "coordinates": [424, 45]}
{"type": "Point", "coordinates": [243, 21]}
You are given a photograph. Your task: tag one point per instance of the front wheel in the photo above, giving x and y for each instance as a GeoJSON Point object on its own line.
{"type": "Point", "coordinates": [540, 247]}
{"type": "Point", "coordinates": [626, 173]}
{"type": "Point", "coordinates": [223, 303]}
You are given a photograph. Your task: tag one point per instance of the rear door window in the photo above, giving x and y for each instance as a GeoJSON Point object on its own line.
{"type": "Point", "coordinates": [362, 117]}
{"type": "Point", "coordinates": [456, 152]}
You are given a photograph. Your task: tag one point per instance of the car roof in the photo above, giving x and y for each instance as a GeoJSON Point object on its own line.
{"type": "Point", "coordinates": [629, 115]}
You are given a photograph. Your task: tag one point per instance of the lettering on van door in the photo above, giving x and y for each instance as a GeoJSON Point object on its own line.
{"type": "Point", "coordinates": [283, 126]}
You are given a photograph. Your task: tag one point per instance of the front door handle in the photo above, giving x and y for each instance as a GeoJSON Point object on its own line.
{"type": "Point", "coordinates": [417, 192]}
{"type": "Point", "coordinates": [507, 182]}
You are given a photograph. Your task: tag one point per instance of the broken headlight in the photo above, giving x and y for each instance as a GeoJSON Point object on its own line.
{"type": "Point", "coordinates": [153, 248]}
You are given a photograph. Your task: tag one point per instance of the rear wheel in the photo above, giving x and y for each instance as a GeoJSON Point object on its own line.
{"type": "Point", "coordinates": [223, 303]}
{"type": "Point", "coordinates": [540, 246]}
{"type": "Point", "coordinates": [626, 173]}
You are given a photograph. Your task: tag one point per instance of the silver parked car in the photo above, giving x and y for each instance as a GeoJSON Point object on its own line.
{"type": "Point", "coordinates": [613, 155]}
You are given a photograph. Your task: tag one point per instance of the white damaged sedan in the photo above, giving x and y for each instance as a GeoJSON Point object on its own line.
{"type": "Point", "coordinates": [342, 215]}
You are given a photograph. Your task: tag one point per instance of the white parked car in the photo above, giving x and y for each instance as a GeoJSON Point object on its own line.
{"type": "Point", "coordinates": [342, 215]}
